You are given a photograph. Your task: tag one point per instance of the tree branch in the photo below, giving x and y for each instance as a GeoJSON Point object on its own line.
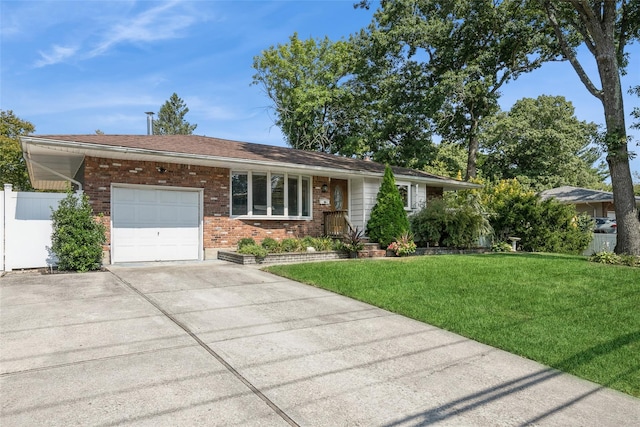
{"type": "Point", "coordinates": [569, 53]}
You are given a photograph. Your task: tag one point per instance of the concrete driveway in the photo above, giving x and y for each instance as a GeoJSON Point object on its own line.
{"type": "Point", "coordinates": [219, 344]}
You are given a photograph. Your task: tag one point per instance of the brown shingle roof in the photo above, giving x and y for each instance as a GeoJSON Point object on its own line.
{"type": "Point", "coordinates": [223, 148]}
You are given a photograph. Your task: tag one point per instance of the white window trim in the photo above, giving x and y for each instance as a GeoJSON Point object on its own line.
{"type": "Point", "coordinates": [269, 215]}
{"type": "Point", "coordinates": [407, 207]}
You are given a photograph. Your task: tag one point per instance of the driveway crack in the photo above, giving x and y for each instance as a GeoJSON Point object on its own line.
{"type": "Point", "coordinates": [212, 352]}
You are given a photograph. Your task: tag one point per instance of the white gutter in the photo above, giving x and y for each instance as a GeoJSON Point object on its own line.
{"type": "Point", "coordinates": [73, 146]}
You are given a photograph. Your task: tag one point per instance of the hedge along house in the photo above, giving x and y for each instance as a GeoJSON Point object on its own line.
{"type": "Point", "coordinates": [182, 197]}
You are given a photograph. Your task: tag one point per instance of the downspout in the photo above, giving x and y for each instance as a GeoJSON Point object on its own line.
{"type": "Point", "coordinates": [30, 160]}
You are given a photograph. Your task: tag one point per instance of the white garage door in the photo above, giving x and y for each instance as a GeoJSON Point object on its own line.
{"type": "Point", "coordinates": [155, 224]}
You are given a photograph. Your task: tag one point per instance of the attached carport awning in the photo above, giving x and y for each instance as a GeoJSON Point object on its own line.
{"type": "Point", "coordinates": [51, 168]}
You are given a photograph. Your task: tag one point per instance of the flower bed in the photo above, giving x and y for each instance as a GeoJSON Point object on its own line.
{"type": "Point", "coordinates": [281, 258]}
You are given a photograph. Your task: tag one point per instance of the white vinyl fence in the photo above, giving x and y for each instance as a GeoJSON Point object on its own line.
{"type": "Point", "coordinates": [25, 228]}
{"type": "Point", "coordinates": [601, 243]}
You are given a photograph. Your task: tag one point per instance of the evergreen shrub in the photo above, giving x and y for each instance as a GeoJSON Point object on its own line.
{"type": "Point", "coordinates": [388, 217]}
{"type": "Point", "coordinates": [77, 237]}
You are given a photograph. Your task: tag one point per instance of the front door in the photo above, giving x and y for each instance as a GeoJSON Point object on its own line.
{"type": "Point", "coordinates": [339, 195]}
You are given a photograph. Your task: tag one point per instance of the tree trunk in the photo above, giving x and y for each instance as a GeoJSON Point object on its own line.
{"type": "Point", "coordinates": [472, 159]}
{"type": "Point", "coordinates": [628, 229]}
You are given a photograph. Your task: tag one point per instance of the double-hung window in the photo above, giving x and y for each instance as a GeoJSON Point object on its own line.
{"type": "Point", "coordinates": [405, 194]}
{"type": "Point", "coordinates": [270, 194]}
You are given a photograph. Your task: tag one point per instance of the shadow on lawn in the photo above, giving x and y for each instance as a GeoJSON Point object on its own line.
{"type": "Point", "coordinates": [477, 400]}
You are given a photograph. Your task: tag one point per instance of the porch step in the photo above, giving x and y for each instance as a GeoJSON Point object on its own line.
{"type": "Point", "coordinates": [372, 250]}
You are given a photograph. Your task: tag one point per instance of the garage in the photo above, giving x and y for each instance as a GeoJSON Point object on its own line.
{"type": "Point", "coordinates": [155, 224]}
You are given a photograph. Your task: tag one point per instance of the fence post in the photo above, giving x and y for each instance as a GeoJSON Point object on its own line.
{"type": "Point", "coordinates": [4, 204]}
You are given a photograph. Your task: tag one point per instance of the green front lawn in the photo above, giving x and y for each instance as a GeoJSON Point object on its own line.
{"type": "Point", "coordinates": [579, 317]}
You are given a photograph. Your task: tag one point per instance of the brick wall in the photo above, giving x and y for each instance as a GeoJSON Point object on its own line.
{"type": "Point", "coordinates": [220, 231]}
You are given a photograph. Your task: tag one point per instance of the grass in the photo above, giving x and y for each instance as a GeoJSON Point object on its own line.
{"type": "Point", "coordinates": [579, 317]}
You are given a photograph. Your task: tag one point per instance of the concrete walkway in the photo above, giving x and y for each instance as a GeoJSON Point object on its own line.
{"type": "Point", "coordinates": [219, 344]}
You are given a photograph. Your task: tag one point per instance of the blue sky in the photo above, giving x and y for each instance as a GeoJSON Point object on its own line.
{"type": "Point", "coordinates": [71, 67]}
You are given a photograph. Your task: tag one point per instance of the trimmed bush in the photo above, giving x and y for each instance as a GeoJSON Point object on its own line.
{"type": "Point", "coordinates": [77, 237]}
{"type": "Point", "coordinates": [271, 245]}
{"type": "Point", "coordinates": [258, 251]}
{"type": "Point", "coordinates": [501, 247]}
{"type": "Point", "coordinates": [388, 217]}
{"type": "Point", "coordinates": [291, 245]}
{"type": "Point", "coordinates": [246, 241]}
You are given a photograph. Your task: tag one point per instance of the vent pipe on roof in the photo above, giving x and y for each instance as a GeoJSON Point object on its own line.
{"type": "Point", "coordinates": [149, 122]}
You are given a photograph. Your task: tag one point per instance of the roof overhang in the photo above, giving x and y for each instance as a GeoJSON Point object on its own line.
{"type": "Point", "coordinates": [53, 163]}
{"type": "Point", "coordinates": [50, 168]}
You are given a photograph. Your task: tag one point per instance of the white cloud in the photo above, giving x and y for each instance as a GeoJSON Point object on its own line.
{"type": "Point", "coordinates": [159, 23]}
{"type": "Point", "coordinates": [55, 55]}
{"type": "Point", "coordinates": [111, 27]}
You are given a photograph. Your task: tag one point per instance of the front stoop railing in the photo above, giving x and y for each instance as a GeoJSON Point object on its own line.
{"type": "Point", "coordinates": [336, 224]}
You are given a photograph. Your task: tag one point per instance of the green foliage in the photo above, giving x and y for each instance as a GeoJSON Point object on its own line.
{"type": "Point", "coordinates": [13, 169]}
{"type": "Point", "coordinates": [77, 237]}
{"type": "Point", "coordinates": [630, 260]}
{"type": "Point", "coordinates": [542, 141]}
{"type": "Point", "coordinates": [543, 226]}
{"type": "Point", "coordinates": [450, 160]}
{"type": "Point", "coordinates": [458, 220]}
{"type": "Point", "coordinates": [501, 247]}
{"type": "Point", "coordinates": [635, 113]}
{"type": "Point", "coordinates": [270, 244]}
{"type": "Point", "coordinates": [171, 120]}
{"type": "Point", "coordinates": [353, 241]}
{"type": "Point", "coordinates": [454, 56]}
{"type": "Point", "coordinates": [585, 223]}
{"type": "Point", "coordinates": [615, 259]}
{"type": "Point", "coordinates": [291, 245]}
{"type": "Point", "coordinates": [388, 218]}
{"type": "Point", "coordinates": [605, 258]}
{"type": "Point", "coordinates": [321, 244]}
{"type": "Point", "coordinates": [252, 249]}
{"type": "Point", "coordinates": [245, 241]}
{"type": "Point", "coordinates": [305, 79]}
{"type": "Point", "coordinates": [428, 225]}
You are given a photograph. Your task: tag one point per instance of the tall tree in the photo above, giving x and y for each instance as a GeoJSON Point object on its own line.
{"type": "Point", "coordinates": [543, 142]}
{"type": "Point", "coordinates": [463, 51]}
{"type": "Point", "coordinates": [605, 28]}
{"type": "Point", "coordinates": [171, 119]}
{"type": "Point", "coordinates": [449, 160]}
{"type": "Point", "coordinates": [13, 169]}
{"type": "Point", "coordinates": [306, 81]}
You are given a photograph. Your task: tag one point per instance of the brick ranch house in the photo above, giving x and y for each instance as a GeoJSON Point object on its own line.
{"type": "Point", "coordinates": [183, 197]}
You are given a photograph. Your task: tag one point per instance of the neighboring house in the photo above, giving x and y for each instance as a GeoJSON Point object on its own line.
{"type": "Point", "coordinates": [182, 197]}
{"type": "Point", "coordinates": [598, 204]}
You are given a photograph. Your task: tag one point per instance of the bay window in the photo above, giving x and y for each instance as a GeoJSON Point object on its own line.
{"type": "Point", "coordinates": [270, 194]}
